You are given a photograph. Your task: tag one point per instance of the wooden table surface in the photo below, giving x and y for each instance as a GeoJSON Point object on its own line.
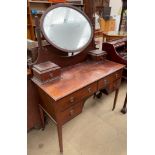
{"type": "Point", "coordinates": [78, 76]}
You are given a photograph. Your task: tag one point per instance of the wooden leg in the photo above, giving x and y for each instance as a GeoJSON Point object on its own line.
{"type": "Point", "coordinates": [115, 99]}
{"type": "Point", "coordinates": [59, 129]}
{"type": "Point", "coordinates": [42, 118]}
{"type": "Point", "coordinates": [124, 109]}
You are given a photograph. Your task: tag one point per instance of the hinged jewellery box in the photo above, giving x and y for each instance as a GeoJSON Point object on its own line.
{"type": "Point", "coordinates": [46, 71]}
{"type": "Point", "coordinates": [97, 55]}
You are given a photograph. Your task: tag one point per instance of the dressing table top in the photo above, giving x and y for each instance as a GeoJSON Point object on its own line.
{"type": "Point", "coordinates": [78, 76]}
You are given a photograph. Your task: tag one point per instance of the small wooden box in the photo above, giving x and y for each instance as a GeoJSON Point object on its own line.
{"type": "Point", "coordinates": [97, 55]}
{"type": "Point", "coordinates": [46, 71]}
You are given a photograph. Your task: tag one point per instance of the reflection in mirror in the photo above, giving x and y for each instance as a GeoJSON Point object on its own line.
{"type": "Point", "coordinates": [67, 29]}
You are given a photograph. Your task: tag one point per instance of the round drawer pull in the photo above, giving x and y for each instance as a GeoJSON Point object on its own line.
{"type": "Point", "coordinates": [72, 99]}
{"type": "Point", "coordinates": [117, 75]}
{"type": "Point", "coordinates": [89, 90]}
{"type": "Point", "coordinates": [105, 81]}
{"type": "Point", "coordinates": [71, 112]}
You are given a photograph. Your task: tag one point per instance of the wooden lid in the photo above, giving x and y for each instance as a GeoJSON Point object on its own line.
{"type": "Point", "coordinates": [45, 66]}
{"type": "Point", "coordinates": [97, 52]}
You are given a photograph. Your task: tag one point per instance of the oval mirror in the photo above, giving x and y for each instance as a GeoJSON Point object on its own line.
{"type": "Point", "coordinates": [66, 28]}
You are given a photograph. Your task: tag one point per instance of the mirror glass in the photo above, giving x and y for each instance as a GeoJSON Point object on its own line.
{"type": "Point", "coordinates": [67, 29]}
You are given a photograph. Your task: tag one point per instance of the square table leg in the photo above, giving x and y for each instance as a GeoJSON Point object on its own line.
{"type": "Point", "coordinates": [42, 117]}
{"type": "Point", "coordinates": [59, 129]}
{"type": "Point", "coordinates": [124, 109]}
{"type": "Point", "coordinates": [115, 99]}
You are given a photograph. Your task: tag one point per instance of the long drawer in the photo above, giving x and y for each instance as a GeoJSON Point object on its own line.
{"type": "Point", "coordinates": [77, 96]}
{"type": "Point", "coordinates": [109, 80]}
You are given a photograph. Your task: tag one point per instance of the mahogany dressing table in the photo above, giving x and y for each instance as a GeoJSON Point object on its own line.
{"type": "Point", "coordinates": [63, 96]}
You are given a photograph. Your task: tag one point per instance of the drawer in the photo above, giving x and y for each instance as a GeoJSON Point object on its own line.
{"type": "Point", "coordinates": [114, 76]}
{"type": "Point", "coordinates": [113, 86]}
{"type": "Point", "coordinates": [103, 83]}
{"type": "Point", "coordinates": [79, 95]}
{"type": "Point", "coordinates": [70, 113]}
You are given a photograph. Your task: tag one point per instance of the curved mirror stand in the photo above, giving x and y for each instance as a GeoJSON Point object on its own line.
{"type": "Point", "coordinates": [67, 28]}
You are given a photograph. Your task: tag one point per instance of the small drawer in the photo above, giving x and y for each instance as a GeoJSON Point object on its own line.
{"type": "Point", "coordinates": [113, 86]}
{"type": "Point", "coordinates": [73, 98]}
{"type": "Point", "coordinates": [114, 76]}
{"type": "Point", "coordinates": [103, 83]}
{"type": "Point", "coordinates": [70, 113]}
{"type": "Point", "coordinates": [117, 75]}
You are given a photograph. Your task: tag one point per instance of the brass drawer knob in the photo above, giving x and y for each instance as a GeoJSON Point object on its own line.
{"type": "Point", "coordinates": [89, 90]}
{"type": "Point", "coordinates": [72, 99]}
{"type": "Point", "coordinates": [71, 112]}
{"type": "Point", "coordinates": [105, 81]}
{"type": "Point", "coordinates": [116, 75]}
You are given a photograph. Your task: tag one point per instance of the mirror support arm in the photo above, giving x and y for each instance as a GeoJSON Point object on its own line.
{"type": "Point", "coordinates": [38, 31]}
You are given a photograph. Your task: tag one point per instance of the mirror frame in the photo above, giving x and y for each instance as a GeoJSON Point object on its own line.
{"type": "Point", "coordinates": [75, 8]}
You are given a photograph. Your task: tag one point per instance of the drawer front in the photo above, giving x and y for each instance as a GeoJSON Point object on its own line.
{"type": "Point", "coordinates": [70, 113]}
{"type": "Point", "coordinates": [103, 83]}
{"type": "Point", "coordinates": [118, 74]}
{"type": "Point", "coordinates": [48, 75]}
{"type": "Point", "coordinates": [114, 76]}
{"type": "Point", "coordinates": [77, 96]}
{"type": "Point", "coordinates": [113, 86]}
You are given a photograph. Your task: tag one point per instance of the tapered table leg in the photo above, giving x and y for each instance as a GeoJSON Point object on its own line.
{"type": "Point", "coordinates": [42, 118]}
{"type": "Point", "coordinates": [115, 99]}
{"type": "Point", "coordinates": [59, 129]}
{"type": "Point", "coordinates": [124, 109]}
